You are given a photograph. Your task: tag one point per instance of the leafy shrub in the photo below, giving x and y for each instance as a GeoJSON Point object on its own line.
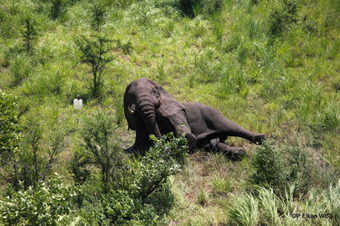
{"type": "Point", "coordinates": [193, 8]}
{"type": "Point", "coordinates": [329, 120]}
{"type": "Point", "coordinates": [279, 168]}
{"type": "Point", "coordinates": [147, 177]}
{"type": "Point", "coordinates": [164, 159]}
{"type": "Point", "coordinates": [21, 68]}
{"type": "Point", "coordinates": [269, 167]}
{"type": "Point", "coordinates": [50, 83]}
{"type": "Point", "coordinates": [102, 148]}
{"type": "Point", "coordinates": [78, 166]}
{"type": "Point", "coordinates": [10, 136]}
{"type": "Point", "coordinates": [187, 7]}
{"type": "Point", "coordinates": [48, 203]}
{"type": "Point", "coordinates": [135, 187]}
{"type": "Point", "coordinates": [31, 159]}
{"type": "Point", "coordinates": [120, 207]}
{"type": "Point", "coordinates": [127, 48]}
{"type": "Point", "coordinates": [58, 8]}
{"type": "Point", "coordinates": [283, 17]}
{"type": "Point", "coordinates": [10, 130]}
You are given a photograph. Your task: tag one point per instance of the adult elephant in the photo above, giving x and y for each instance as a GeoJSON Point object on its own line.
{"type": "Point", "coordinates": [150, 109]}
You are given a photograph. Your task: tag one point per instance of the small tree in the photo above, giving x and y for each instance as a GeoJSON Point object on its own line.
{"type": "Point", "coordinates": [98, 14]}
{"type": "Point", "coordinates": [38, 155]}
{"type": "Point", "coordinates": [10, 136]}
{"type": "Point", "coordinates": [29, 32]}
{"type": "Point", "coordinates": [94, 53]}
{"type": "Point", "coordinates": [57, 8]}
{"type": "Point", "coordinates": [21, 154]}
{"type": "Point", "coordinates": [102, 148]}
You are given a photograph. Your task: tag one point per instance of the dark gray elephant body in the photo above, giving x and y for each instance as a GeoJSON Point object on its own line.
{"type": "Point", "coordinates": [150, 109]}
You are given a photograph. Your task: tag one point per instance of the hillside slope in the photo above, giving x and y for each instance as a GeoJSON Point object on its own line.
{"type": "Point", "coordinates": [271, 66]}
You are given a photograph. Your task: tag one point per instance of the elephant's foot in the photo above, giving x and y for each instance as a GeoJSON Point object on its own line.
{"type": "Point", "coordinates": [258, 139]}
{"type": "Point", "coordinates": [214, 142]}
{"type": "Point", "coordinates": [133, 151]}
{"type": "Point", "coordinates": [192, 140]}
{"type": "Point", "coordinates": [233, 153]}
{"type": "Point", "coordinates": [137, 150]}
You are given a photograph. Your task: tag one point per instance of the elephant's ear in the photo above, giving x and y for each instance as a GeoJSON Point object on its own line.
{"type": "Point", "coordinates": [169, 105]}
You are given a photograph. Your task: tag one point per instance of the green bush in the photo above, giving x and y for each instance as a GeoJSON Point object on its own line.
{"type": "Point", "coordinates": [21, 67]}
{"type": "Point", "coordinates": [39, 152]}
{"type": "Point", "coordinates": [194, 8]}
{"type": "Point", "coordinates": [48, 83]}
{"type": "Point", "coordinates": [31, 159]}
{"type": "Point", "coordinates": [10, 138]}
{"type": "Point", "coordinates": [138, 191]}
{"type": "Point", "coordinates": [164, 159]}
{"type": "Point", "coordinates": [283, 17]}
{"type": "Point", "coordinates": [122, 209]}
{"type": "Point", "coordinates": [269, 166]}
{"type": "Point", "coordinates": [10, 131]}
{"type": "Point", "coordinates": [147, 178]}
{"type": "Point", "coordinates": [58, 9]}
{"type": "Point", "coordinates": [102, 149]}
{"type": "Point", "coordinates": [279, 168]}
{"type": "Point", "coordinates": [48, 203]}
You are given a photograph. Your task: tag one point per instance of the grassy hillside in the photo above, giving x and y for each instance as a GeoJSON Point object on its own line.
{"type": "Point", "coordinates": [271, 66]}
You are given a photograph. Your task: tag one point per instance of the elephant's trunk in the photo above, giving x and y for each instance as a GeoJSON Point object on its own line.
{"type": "Point", "coordinates": [147, 112]}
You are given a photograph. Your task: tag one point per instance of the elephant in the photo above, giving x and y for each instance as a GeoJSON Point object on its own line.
{"type": "Point", "coordinates": [150, 109]}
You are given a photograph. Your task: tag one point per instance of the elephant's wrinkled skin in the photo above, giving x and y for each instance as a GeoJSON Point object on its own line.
{"type": "Point", "coordinates": [150, 109]}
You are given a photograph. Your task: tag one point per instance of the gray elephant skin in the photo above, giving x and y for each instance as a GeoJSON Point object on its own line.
{"type": "Point", "coordinates": [150, 109]}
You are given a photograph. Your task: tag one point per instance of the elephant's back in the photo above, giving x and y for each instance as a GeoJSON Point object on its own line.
{"type": "Point", "coordinates": [195, 108]}
{"type": "Point", "coordinates": [204, 117]}
{"type": "Point", "coordinates": [195, 113]}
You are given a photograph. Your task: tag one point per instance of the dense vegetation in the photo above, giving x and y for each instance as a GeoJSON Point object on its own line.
{"type": "Point", "coordinates": [272, 66]}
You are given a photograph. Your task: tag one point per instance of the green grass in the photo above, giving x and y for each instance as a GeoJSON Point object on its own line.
{"type": "Point", "coordinates": [270, 66]}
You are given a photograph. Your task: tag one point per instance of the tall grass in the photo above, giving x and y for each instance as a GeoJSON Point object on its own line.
{"type": "Point", "coordinates": [246, 211]}
{"type": "Point", "coordinates": [267, 208]}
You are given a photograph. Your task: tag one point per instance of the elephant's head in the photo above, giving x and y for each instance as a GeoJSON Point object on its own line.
{"type": "Point", "coordinates": [145, 102]}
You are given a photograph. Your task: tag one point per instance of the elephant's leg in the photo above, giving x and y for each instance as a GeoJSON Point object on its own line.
{"type": "Point", "coordinates": [234, 153]}
{"type": "Point", "coordinates": [142, 143]}
{"type": "Point", "coordinates": [235, 130]}
{"type": "Point", "coordinates": [217, 122]}
{"type": "Point", "coordinates": [181, 126]}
